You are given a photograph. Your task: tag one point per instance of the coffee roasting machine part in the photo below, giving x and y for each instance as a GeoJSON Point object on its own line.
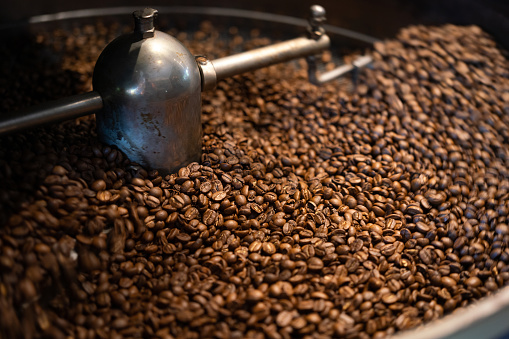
{"type": "Point", "coordinates": [147, 89]}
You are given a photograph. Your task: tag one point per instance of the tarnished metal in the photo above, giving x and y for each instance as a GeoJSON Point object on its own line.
{"type": "Point", "coordinates": [152, 97]}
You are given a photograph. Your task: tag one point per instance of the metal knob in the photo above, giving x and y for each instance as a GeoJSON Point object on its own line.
{"type": "Point", "coordinates": [316, 21]}
{"type": "Point", "coordinates": [144, 22]}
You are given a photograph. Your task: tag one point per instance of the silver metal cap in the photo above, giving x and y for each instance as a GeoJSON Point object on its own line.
{"type": "Point", "coordinates": [151, 89]}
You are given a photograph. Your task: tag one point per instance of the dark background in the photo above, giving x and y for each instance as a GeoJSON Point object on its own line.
{"type": "Point", "coordinates": [378, 18]}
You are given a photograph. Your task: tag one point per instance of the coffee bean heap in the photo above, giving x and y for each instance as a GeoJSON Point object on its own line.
{"type": "Point", "coordinates": [315, 211]}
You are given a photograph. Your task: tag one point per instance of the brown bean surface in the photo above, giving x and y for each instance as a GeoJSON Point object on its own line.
{"type": "Point", "coordinates": [326, 211]}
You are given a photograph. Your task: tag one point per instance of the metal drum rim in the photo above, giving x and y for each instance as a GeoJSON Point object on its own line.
{"type": "Point", "coordinates": [192, 10]}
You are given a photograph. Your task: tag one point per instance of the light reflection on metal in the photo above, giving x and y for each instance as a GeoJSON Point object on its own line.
{"type": "Point", "coordinates": [138, 88]}
{"type": "Point", "coordinates": [149, 87]}
{"type": "Point", "coordinates": [155, 117]}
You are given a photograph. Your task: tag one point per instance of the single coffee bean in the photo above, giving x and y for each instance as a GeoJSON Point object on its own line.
{"type": "Point", "coordinates": [284, 318]}
{"type": "Point", "coordinates": [268, 248]}
{"type": "Point", "coordinates": [473, 282]}
{"type": "Point", "coordinates": [219, 196]}
{"type": "Point", "coordinates": [254, 295]}
{"type": "Point", "coordinates": [315, 264]}
{"type": "Point", "coordinates": [98, 185]}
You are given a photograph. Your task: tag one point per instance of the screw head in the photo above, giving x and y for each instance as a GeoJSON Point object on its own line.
{"type": "Point", "coordinates": [201, 59]}
{"type": "Point", "coordinates": [317, 12]}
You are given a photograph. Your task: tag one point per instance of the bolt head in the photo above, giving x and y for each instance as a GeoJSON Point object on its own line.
{"type": "Point", "coordinates": [201, 59]}
{"type": "Point", "coordinates": [317, 12]}
{"type": "Point", "coordinates": [145, 13]}
{"type": "Point", "coordinates": [144, 22]}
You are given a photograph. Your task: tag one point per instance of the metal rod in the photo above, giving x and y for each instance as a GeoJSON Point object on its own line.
{"type": "Point", "coordinates": [319, 79]}
{"type": "Point", "coordinates": [335, 73]}
{"type": "Point", "coordinates": [58, 110]}
{"type": "Point", "coordinates": [360, 62]}
{"type": "Point", "coordinates": [269, 55]}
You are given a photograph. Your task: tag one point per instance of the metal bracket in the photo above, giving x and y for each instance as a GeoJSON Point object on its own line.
{"type": "Point", "coordinates": [207, 73]}
{"type": "Point", "coordinates": [319, 79]}
{"type": "Point", "coordinates": [315, 31]}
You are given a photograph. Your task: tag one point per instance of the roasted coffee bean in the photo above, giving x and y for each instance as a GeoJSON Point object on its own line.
{"type": "Point", "coordinates": [219, 195]}
{"type": "Point", "coordinates": [255, 246]}
{"type": "Point", "coordinates": [448, 282]}
{"type": "Point", "coordinates": [436, 199]}
{"type": "Point", "coordinates": [99, 185]}
{"type": "Point", "coordinates": [473, 282]}
{"type": "Point", "coordinates": [284, 318]}
{"type": "Point", "coordinates": [28, 289]}
{"type": "Point", "coordinates": [254, 295]}
{"type": "Point", "coordinates": [331, 211]}
{"type": "Point", "coordinates": [389, 298]}
{"type": "Point", "coordinates": [315, 264]}
{"type": "Point", "coordinates": [268, 248]}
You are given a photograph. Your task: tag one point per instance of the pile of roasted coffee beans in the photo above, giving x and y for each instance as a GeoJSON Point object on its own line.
{"type": "Point", "coordinates": [315, 212]}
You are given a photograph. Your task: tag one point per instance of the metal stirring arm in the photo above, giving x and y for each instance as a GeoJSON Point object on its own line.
{"type": "Point", "coordinates": [317, 41]}
{"type": "Point", "coordinates": [210, 71]}
{"type": "Point", "coordinates": [215, 70]}
{"type": "Point", "coordinates": [54, 111]}
{"type": "Point", "coordinates": [319, 79]}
